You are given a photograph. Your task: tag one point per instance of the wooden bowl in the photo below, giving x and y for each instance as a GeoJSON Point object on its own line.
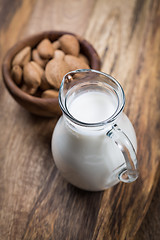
{"type": "Point", "coordinates": [48, 107]}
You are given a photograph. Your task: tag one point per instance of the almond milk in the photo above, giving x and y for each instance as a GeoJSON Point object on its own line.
{"type": "Point", "coordinates": [85, 155]}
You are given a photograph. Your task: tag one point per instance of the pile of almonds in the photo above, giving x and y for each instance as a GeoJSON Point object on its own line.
{"type": "Point", "coordinates": [39, 71]}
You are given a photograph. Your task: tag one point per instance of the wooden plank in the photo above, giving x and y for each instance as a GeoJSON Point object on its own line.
{"type": "Point", "coordinates": [149, 228]}
{"type": "Point", "coordinates": [35, 202]}
{"type": "Point", "coordinates": [131, 54]}
{"type": "Point", "coordinates": [72, 16]}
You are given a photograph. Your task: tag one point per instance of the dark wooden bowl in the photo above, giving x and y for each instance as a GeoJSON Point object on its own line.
{"type": "Point", "coordinates": [39, 106]}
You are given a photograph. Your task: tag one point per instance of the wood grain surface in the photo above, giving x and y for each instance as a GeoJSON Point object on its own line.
{"type": "Point", "coordinates": [35, 201]}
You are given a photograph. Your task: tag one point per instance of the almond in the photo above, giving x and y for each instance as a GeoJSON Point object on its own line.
{"type": "Point", "coordinates": [56, 45]}
{"type": "Point", "coordinates": [45, 49]}
{"type": "Point", "coordinates": [75, 63]}
{"type": "Point", "coordinates": [55, 70]}
{"type": "Point", "coordinates": [83, 58]}
{"type": "Point", "coordinates": [31, 76]}
{"type": "Point", "coordinates": [50, 94]}
{"type": "Point", "coordinates": [22, 57]}
{"type": "Point", "coordinates": [39, 69]}
{"type": "Point", "coordinates": [59, 54]}
{"type": "Point", "coordinates": [69, 44]}
{"type": "Point", "coordinates": [44, 84]}
{"type": "Point", "coordinates": [36, 57]}
{"type": "Point", "coordinates": [28, 89]}
{"type": "Point", "coordinates": [16, 74]}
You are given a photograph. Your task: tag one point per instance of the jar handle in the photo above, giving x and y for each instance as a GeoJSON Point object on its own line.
{"type": "Point", "coordinates": [130, 173]}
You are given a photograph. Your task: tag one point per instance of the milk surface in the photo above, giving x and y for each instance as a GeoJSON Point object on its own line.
{"type": "Point", "coordinates": [85, 156]}
{"type": "Point", "coordinates": [93, 106]}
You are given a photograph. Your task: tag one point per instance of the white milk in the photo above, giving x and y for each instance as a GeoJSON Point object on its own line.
{"type": "Point", "coordinates": [93, 106]}
{"type": "Point", "coordinates": [86, 157]}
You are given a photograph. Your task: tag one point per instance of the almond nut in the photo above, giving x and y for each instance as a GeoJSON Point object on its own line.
{"type": "Point", "coordinates": [44, 84]}
{"type": "Point", "coordinates": [59, 54]}
{"type": "Point", "coordinates": [28, 89]}
{"type": "Point", "coordinates": [83, 58]}
{"type": "Point", "coordinates": [69, 44]}
{"type": "Point", "coordinates": [45, 49]}
{"type": "Point", "coordinates": [55, 70]}
{"type": "Point", "coordinates": [50, 94]}
{"type": "Point", "coordinates": [16, 74]}
{"type": "Point", "coordinates": [75, 63]}
{"type": "Point", "coordinates": [38, 59]}
{"type": "Point", "coordinates": [39, 69]}
{"type": "Point", "coordinates": [56, 45]}
{"type": "Point", "coordinates": [31, 76]}
{"type": "Point", "coordinates": [22, 57]}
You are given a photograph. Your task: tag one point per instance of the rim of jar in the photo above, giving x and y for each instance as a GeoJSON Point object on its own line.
{"type": "Point", "coordinates": [119, 92]}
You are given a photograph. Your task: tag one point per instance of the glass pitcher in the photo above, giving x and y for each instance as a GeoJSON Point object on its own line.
{"type": "Point", "coordinates": [94, 143]}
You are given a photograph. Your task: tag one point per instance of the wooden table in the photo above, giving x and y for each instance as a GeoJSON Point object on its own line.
{"type": "Point", "coordinates": [35, 201]}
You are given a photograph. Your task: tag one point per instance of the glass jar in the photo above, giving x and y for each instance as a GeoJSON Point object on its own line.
{"type": "Point", "coordinates": [94, 143]}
